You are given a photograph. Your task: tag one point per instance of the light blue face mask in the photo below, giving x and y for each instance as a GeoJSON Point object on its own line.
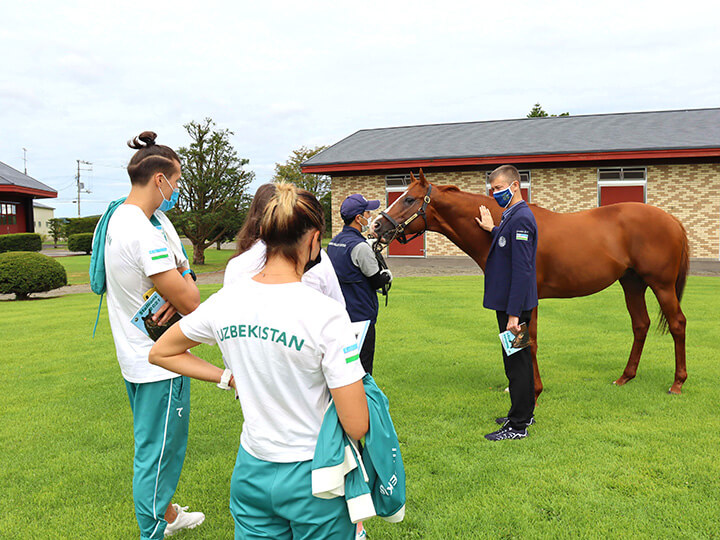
{"type": "Point", "coordinates": [169, 204]}
{"type": "Point", "coordinates": [503, 197]}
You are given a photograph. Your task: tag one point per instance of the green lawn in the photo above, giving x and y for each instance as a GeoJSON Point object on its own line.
{"type": "Point", "coordinates": [602, 461]}
{"type": "Point", "coordinates": [77, 266]}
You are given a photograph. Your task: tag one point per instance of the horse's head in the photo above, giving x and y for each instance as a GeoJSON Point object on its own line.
{"type": "Point", "coordinates": [400, 218]}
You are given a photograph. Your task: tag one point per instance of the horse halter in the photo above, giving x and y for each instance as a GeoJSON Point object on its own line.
{"type": "Point", "coordinates": [399, 230]}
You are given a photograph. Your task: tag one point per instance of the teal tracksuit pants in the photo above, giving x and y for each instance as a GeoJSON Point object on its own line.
{"type": "Point", "coordinates": [275, 501]}
{"type": "Point", "coordinates": [161, 414]}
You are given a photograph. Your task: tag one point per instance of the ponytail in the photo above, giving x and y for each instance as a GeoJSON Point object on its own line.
{"type": "Point", "coordinates": [290, 213]}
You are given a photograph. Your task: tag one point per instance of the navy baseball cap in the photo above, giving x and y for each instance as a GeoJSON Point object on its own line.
{"type": "Point", "coordinates": [357, 204]}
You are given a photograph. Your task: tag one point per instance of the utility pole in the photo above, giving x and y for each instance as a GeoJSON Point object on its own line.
{"type": "Point", "coordinates": [25, 158]}
{"type": "Point", "coordinates": [80, 185]}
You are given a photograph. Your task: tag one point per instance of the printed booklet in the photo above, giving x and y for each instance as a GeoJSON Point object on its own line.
{"type": "Point", "coordinates": [143, 318]}
{"type": "Point", "coordinates": [360, 328]}
{"type": "Point", "coordinates": [512, 343]}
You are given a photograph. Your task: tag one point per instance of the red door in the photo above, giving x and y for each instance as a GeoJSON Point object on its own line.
{"type": "Point", "coordinates": [616, 194]}
{"type": "Point", "coordinates": [414, 248]}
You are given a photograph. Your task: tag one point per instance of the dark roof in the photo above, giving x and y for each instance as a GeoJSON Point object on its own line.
{"type": "Point", "coordinates": [12, 177]}
{"type": "Point", "coordinates": [41, 205]}
{"type": "Point", "coordinates": [647, 131]}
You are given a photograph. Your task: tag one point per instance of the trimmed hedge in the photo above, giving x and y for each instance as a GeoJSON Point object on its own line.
{"type": "Point", "coordinates": [25, 272]}
{"type": "Point", "coordinates": [80, 242]}
{"type": "Point", "coordinates": [80, 225]}
{"type": "Point", "coordinates": [20, 242]}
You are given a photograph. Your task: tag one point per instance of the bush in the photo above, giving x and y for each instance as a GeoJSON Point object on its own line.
{"type": "Point", "coordinates": [80, 242]}
{"type": "Point", "coordinates": [81, 225]}
{"type": "Point", "coordinates": [20, 242]}
{"type": "Point", "coordinates": [24, 272]}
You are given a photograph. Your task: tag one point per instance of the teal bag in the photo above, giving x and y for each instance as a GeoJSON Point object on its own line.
{"type": "Point", "coordinates": [97, 259]}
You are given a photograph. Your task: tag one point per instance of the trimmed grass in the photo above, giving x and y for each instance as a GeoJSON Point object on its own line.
{"type": "Point", "coordinates": [77, 266]}
{"type": "Point", "coordinates": [602, 461]}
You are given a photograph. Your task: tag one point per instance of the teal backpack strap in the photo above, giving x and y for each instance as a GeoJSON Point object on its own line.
{"type": "Point", "coordinates": [97, 259]}
{"type": "Point", "coordinates": [98, 315]}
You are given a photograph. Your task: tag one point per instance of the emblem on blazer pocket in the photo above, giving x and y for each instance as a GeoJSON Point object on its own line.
{"type": "Point", "coordinates": [502, 241]}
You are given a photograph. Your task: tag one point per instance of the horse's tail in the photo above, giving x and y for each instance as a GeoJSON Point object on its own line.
{"type": "Point", "coordinates": [681, 278]}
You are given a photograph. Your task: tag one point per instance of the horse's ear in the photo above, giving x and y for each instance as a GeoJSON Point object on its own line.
{"type": "Point", "coordinates": [423, 180]}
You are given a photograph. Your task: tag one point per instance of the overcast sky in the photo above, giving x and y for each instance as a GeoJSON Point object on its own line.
{"type": "Point", "coordinates": [77, 81]}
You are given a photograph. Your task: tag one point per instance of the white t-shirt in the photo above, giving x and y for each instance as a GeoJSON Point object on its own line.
{"type": "Point", "coordinates": [134, 250]}
{"type": "Point", "coordinates": [286, 345]}
{"type": "Point", "coordinates": [320, 277]}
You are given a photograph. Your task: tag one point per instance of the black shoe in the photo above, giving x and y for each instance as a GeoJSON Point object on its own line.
{"type": "Point", "coordinates": [506, 432]}
{"type": "Point", "coordinates": [501, 421]}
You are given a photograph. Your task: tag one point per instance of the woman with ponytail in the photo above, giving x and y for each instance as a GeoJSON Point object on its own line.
{"type": "Point", "coordinates": [142, 252]}
{"type": "Point", "coordinates": [250, 255]}
{"type": "Point", "coordinates": [289, 349]}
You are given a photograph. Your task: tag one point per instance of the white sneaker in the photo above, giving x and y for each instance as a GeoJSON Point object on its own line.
{"type": "Point", "coordinates": [184, 520]}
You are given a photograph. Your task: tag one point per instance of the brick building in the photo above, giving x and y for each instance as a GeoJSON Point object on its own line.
{"type": "Point", "coordinates": [670, 159]}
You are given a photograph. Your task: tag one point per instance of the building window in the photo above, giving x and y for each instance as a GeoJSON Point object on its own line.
{"type": "Point", "coordinates": [621, 184]}
{"type": "Point", "coordinates": [395, 181]}
{"type": "Point", "coordinates": [8, 214]}
{"type": "Point", "coordinates": [524, 185]}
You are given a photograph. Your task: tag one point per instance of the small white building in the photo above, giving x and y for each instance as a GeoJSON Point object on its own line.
{"type": "Point", "coordinates": [42, 214]}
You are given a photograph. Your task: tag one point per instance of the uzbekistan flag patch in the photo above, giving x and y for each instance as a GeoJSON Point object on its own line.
{"type": "Point", "coordinates": [351, 353]}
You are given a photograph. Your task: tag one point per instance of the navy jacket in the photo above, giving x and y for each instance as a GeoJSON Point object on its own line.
{"type": "Point", "coordinates": [510, 277]}
{"type": "Point", "coordinates": [360, 298]}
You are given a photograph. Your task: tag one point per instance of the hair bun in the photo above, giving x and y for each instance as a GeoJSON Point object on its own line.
{"type": "Point", "coordinates": [145, 139]}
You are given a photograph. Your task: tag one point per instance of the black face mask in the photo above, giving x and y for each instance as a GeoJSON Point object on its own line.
{"type": "Point", "coordinates": [312, 262]}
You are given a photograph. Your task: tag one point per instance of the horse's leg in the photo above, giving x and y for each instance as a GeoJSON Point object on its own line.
{"type": "Point", "coordinates": [533, 350]}
{"type": "Point", "coordinates": [670, 306]}
{"type": "Point", "coordinates": [634, 288]}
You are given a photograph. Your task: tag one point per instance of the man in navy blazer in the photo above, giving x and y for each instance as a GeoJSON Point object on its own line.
{"type": "Point", "coordinates": [511, 290]}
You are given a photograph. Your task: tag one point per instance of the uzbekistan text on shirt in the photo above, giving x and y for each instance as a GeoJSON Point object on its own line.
{"type": "Point", "coordinates": [259, 332]}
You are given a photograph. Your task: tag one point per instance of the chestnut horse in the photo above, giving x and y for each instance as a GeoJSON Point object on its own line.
{"type": "Point", "coordinates": [578, 254]}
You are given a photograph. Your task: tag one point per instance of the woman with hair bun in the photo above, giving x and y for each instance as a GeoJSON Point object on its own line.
{"type": "Point", "coordinates": [289, 349]}
{"type": "Point", "coordinates": [251, 253]}
{"type": "Point", "coordinates": [142, 251]}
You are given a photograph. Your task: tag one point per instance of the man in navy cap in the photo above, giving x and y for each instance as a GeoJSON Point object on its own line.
{"type": "Point", "coordinates": [358, 270]}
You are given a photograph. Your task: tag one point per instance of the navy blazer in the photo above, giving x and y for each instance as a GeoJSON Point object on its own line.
{"type": "Point", "coordinates": [510, 276]}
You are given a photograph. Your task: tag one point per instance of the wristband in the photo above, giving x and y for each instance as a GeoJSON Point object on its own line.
{"type": "Point", "coordinates": [224, 380]}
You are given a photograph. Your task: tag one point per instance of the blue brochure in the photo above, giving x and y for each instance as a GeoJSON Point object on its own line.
{"type": "Point", "coordinates": [143, 317]}
{"type": "Point", "coordinates": [360, 328]}
{"type": "Point", "coordinates": [513, 343]}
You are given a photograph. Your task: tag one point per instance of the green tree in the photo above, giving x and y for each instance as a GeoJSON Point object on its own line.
{"type": "Point", "coordinates": [538, 112]}
{"type": "Point", "coordinates": [213, 186]}
{"type": "Point", "coordinates": [317, 184]}
{"type": "Point", "coordinates": [57, 229]}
